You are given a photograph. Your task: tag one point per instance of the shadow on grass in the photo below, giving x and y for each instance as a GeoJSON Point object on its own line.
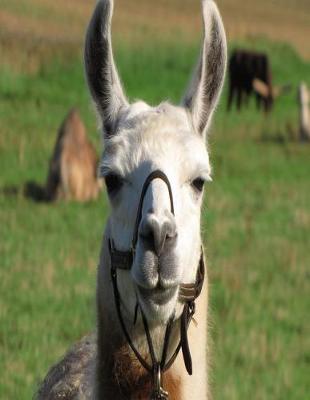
{"type": "Point", "coordinates": [30, 190]}
{"type": "Point", "coordinates": [288, 135]}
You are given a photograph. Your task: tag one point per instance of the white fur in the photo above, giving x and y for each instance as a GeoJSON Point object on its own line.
{"type": "Point", "coordinates": [158, 141]}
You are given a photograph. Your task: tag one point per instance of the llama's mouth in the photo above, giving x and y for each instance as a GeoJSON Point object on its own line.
{"type": "Point", "coordinates": [158, 295]}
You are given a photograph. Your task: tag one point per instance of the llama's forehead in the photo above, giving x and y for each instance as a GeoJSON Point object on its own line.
{"type": "Point", "coordinates": [160, 137]}
{"type": "Point", "coordinates": [140, 116]}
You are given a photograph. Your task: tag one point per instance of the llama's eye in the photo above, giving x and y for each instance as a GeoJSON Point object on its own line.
{"type": "Point", "coordinates": [198, 184]}
{"type": "Point", "coordinates": [113, 183]}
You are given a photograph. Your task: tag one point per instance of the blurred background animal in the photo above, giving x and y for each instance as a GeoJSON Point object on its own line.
{"type": "Point", "coordinates": [304, 112]}
{"type": "Point", "coordinates": [244, 67]}
{"type": "Point", "coordinates": [73, 166]}
{"type": "Point", "coordinates": [249, 75]}
{"type": "Point", "coordinates": [72, 173]}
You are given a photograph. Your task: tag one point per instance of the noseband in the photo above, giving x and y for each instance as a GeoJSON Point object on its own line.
{"type": "Point", "coordinates": [188, 293]}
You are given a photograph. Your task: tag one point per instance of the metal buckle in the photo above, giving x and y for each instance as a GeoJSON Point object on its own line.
{"type": "Point", "coordinates": [158, 392]}
{"type": "Point", "coordinates": [192, 307]}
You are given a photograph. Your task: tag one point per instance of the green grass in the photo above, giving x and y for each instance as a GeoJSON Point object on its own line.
{"type": "Point", "coordinates": [256, 228]}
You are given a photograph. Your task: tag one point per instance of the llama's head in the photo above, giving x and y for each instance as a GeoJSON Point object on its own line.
{"type": "Point", "coordinates": [140, 139]}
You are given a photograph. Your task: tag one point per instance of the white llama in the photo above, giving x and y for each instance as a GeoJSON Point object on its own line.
{"type": "Point", "coordinates": [304, 113]}
{"type": "Point", "coordinates": [150, 276]}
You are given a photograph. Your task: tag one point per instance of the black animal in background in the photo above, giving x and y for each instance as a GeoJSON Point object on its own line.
{"type": "Point", "coordinates": [250, 74]}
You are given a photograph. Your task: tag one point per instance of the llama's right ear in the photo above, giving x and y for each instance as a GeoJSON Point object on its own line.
{"type": "Point", "coordinates": [204, 91]}
{"type": "Point", "coordinates": [102, 77]}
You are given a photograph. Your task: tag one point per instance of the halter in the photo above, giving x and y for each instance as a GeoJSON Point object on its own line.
{"type": "Point", "coordinates": [188, 293]}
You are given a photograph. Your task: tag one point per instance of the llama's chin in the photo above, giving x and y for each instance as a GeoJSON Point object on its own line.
{"type": "Point", "coordinates": [158, 304]}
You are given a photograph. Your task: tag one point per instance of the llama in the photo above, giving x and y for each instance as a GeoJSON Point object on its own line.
{"type": "Point", "coordinates": [244, 67]}
{"type": "Point", "coordinates": [304, 113]}
{"type": "Point", "coordinates": [73, 166]}
{"type": "Point", "coordinates": [72, 173]}
{"type": "Point", "coordinates": [151, 270]}
{"type": "Point", "coordinates": [250, 73]}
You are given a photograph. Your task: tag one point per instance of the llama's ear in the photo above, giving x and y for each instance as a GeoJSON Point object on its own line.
{"type": "Point", "coordinates": [204, 91]}
{"type": "Point", "coordinates": [102, 77]}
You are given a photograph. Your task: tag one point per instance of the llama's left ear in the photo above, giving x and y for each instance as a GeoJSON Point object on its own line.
{"type": "Point", "coordinates": [204, 91]}
{"type": "Point", "coordinates": [101, 73]}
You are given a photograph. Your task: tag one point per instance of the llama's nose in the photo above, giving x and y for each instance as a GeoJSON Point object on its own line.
{"type": "Point", "coordinates": [158, 232]}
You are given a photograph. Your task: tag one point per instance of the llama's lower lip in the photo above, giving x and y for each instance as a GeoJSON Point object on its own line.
{"type": "Point", "coordinates": [157, 295]}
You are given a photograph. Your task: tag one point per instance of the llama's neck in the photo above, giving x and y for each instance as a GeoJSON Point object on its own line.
{"type": "Point", "coordinates": [119, 373]}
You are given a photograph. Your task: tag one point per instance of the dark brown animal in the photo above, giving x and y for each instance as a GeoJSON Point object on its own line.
{"type": "Point", "coordinates": [73, 166]}
{"type": "Point", "coordinates": [250, 74]}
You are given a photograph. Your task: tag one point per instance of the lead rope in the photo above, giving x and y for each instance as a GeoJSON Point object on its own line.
{"type": "Point", "coordinates": [158, 368]}
{"type": "Point", "coordinates": [158, 392]}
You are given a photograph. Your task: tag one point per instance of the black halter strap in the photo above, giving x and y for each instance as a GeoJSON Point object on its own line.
{"type": "Point", "coordinates": [153, 175]}
{"type": "Point", "coordinates": [188, 293]}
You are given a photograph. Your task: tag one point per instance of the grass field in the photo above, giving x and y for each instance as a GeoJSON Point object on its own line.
{"type": "Point", "coordinates": [256, 222]}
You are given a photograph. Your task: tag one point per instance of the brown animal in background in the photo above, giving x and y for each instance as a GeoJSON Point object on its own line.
{"type": "Point", "coordinates": [73, 166]}
{"type": "Point", "coordinates": [250, 74]}
{"type": "Point", "coordinates": [244, 68]}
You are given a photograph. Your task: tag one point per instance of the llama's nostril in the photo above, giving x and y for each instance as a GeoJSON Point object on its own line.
{"type": "Point", "coordinates": [157, 235]}
{"type": "Point", "coordinates": [147, 237]}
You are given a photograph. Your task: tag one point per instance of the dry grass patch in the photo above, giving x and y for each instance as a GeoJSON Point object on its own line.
{"type": "Point", "coordinates": [32, 31]}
